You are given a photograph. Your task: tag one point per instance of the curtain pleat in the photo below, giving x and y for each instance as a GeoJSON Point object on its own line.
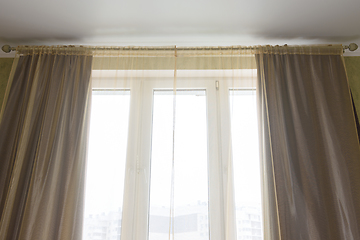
{"type": "Point", "coordinates": [270, 214]}
{"type": "Point", "coordinates": [308, 127]}
{"type": "Point", "coordinates": [43, 147]}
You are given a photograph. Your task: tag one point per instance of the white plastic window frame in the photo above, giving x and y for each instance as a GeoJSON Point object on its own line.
{"type": "Point", "coordinates": [217, 85]}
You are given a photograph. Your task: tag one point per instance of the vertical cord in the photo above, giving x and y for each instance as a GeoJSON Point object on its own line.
{"type": "Point", "coordinates": [172, 198]}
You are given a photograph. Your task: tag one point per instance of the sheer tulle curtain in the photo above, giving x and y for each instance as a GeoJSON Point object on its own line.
{"type": "Point", "coordinates": [310, 151]}
{"type": "Point", "coordinates": [44, 121]}
{"type": "Point", "coordinates": [152, 180]}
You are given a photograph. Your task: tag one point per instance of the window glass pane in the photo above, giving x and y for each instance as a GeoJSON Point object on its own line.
{"type": "Point", "coordinates": [244, 131]}
{"type": "Point", "coordinates": [191, 171]}
{"type": "Point", "coordinates": [106, 164]}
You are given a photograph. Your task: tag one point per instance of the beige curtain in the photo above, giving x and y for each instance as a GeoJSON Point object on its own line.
{"type": "Point", "coordinates": [43, 141]}
{"type": "Point", "coordinates": [310, 150]}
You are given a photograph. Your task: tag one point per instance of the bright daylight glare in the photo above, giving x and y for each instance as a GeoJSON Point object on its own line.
{"type": "Point", "coordinates": [245, 148]}
{"type": "Point", "coordinates": [190, 164]}
{"type": "Point", "coordinates": [106, 165]}
{"type": "Point", "coordinates": [105, 174]}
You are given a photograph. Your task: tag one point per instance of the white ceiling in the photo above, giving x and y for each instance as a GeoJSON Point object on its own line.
{"type": "Point", "coordinates": [179, 22]}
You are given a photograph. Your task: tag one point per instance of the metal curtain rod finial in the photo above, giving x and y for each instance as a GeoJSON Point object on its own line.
{"type": "Point", "coordinates": [7, 48]}
{"type": "Point", "coordinates": [352, 47]}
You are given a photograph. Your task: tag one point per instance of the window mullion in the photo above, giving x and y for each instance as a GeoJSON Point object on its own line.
{"type": "Point", "coordinates": [226, 159]}
{"type": "Point", "coordinates": [216, 201]}
{"type": "Point", "coordinates": [135, 213]}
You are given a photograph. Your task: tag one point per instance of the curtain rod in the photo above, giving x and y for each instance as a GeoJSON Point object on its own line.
{"type": "Point", "coordinates": [8, 48]}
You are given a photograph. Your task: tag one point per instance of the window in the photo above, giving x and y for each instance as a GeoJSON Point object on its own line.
{"type": "Point", "coordinates": [183, 184]}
